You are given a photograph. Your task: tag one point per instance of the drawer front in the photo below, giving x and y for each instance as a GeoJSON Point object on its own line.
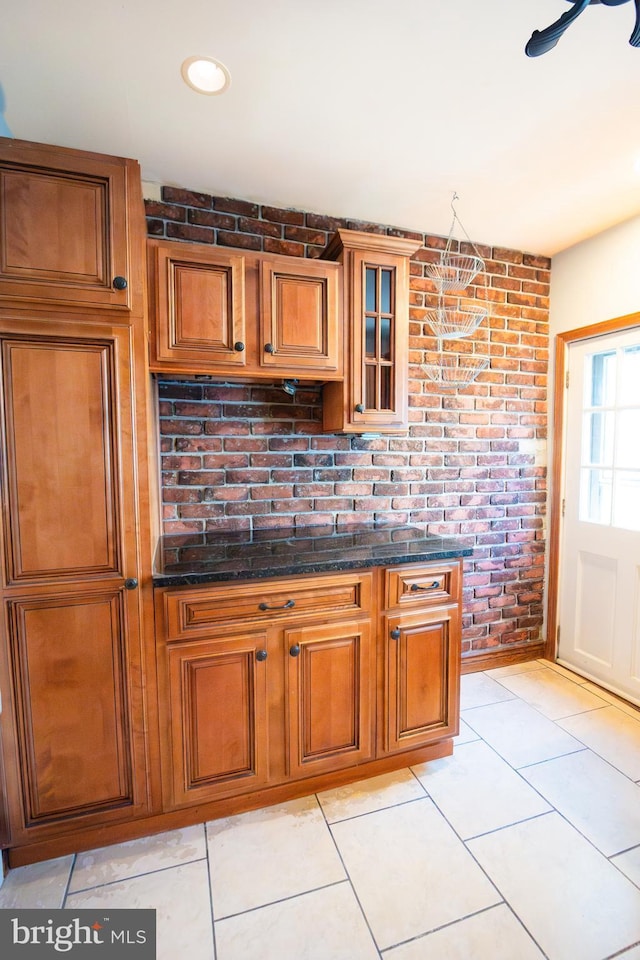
{"type": "Point", "coordinates": [193, 612]}
{"type": "Point", "coordinates": [423, 584]}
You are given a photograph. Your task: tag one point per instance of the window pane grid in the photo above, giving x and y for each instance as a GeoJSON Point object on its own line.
{"type": "Point", "coordinates": [610, 448]}
{"type": "Point", "coordinates": [379, 321]}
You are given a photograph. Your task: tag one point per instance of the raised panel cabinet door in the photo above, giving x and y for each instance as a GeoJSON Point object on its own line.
{"type": "Point", "coordinates": [74, 716]}
{"type": "Point", "coordinates": [198, 310]}
{"type": "Point", "coordinates": [330, 696]}
{"type": "Point", "coordinates": [300, 321]}
{"type": "Point", "coordinates": [64, 233]}
{"type": "Point", "coordinates": [64, 417]}
{"type": "Point", "coordinates": [422, 678]}
{"type": "Point", "coordinates": [376, 308]}
{"type": "Point", "coordinates": [216, 701]}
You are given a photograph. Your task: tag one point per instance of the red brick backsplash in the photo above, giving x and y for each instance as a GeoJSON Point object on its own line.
{"type": "Point", "coordinates": [247, 456]}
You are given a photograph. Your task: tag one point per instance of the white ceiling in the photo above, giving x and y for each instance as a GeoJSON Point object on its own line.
{"type": "Point", "coordinates": [371, 109]}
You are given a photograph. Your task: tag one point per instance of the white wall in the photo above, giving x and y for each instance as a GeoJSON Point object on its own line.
{"type": "Point", "coordinates": [593, 281]}
{"type": "Point", "coordinates": [596, 280]}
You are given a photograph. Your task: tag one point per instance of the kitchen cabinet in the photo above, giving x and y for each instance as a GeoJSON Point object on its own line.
{"type": "Point", "coordinates": [265, 681]}
{"type": "Point", "coordinates": [65, 228]}
{"type": "Point", "coordinates": [373, 396]}
{"type": "Point", "coordinates": [422, 656]}
{"type": "Point", "coordinates": [298, 683]}
{"type": "Point", "coordinates": [228, 314]}
{"type": "Point", "coordinates": [216, 704]}
{"type": "Point", "coordinates": [75, 545]}
{"type": "Point", "coordinates": [330, 673]}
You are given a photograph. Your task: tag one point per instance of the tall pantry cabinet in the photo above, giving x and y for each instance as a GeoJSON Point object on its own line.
{"type": "Point", "coordinates": [75, 551]}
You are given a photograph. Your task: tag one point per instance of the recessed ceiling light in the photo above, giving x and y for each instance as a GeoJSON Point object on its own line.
{"type": "Point", "coordinates": [205, 75]}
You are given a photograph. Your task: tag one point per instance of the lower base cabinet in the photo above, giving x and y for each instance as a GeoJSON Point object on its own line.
{"type": "Point", "coordinates": [307, 677]}
{"type": "Point", "coordinates": [216, 703]}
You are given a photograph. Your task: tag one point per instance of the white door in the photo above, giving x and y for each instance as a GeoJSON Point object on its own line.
{"type": "Point", "coordinates": [599, 599]}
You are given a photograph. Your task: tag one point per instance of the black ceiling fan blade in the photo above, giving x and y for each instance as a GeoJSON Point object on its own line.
{"type": "Point", "coordinates": [634, 39]}
{"type": "Point", "coordinates": [543, 40]}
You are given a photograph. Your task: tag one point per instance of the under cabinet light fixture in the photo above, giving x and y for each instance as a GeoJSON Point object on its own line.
{"type": "Point", "coordinates": [205, 75]}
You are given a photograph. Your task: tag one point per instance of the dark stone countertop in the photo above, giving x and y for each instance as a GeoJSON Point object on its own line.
{"type": "Point", "coordinates": [207, 558]}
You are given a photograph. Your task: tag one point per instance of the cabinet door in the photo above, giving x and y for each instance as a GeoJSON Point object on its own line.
{"type": "Point", "coordinates": [73, 707]}
{"type": "Point", "coordinates": [216, 706]}
{"type": "Point", "coordinates": [376, 277]}
{"type": "Point", "coordinates": [380, 341]}
{"type": "Point", "coordinates": [422, 670]}
{"type": "Point", "coordinates": [72, 689]}
{"type": "Point", "coordinates": [198, 306]}
{"type": "Point", "coordinates": [330, 696]}
{"type": "Point", "coordinates": [299, 315]}
{"type": "Point", "coordinates": [64, 417]}
{"type": "Point", "coordinates": [63, 226]}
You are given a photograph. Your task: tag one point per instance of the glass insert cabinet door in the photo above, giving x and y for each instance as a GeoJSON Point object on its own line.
{"type": "Point", "coordinates": [379, 338]}
{"type": "Point", "coordinates": [610, 444]}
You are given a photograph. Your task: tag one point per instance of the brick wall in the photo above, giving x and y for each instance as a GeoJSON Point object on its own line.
{"type": "Point", "coordinates": [472, 464]}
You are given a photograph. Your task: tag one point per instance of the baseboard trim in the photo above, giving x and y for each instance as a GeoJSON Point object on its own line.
{"type": "Point", "coordinates": [502, 656]}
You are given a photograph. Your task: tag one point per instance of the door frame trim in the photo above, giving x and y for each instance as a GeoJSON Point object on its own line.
{"type": "Point", "coordinates": [562, 344]}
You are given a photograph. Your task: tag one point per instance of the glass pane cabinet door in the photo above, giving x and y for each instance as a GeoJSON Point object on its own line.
{"type": "Point", "coordinates": [379, 334]}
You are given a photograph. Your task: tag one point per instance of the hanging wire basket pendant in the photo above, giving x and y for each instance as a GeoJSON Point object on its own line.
{"type": "Point", "coordinates": [453, 324]}
{"type": "Point", "coordinates": [455, 271]}
{"type": "Point", "coordinates": [455, 371]}
{"type": "Point", "coordinates": [456, 318]}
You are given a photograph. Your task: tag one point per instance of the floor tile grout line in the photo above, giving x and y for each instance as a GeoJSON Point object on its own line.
{"type": "Point", "coordinates": [211, 899]}
{"type": "Point", "coordinates": [443, 926]}
{"type": "Point", "coordinates": [285, 899]}
{"type": "Point", "coordinates": [135, 876]}
{"type": "Point", "coordinates": [68, 883]}
{"type": "Point", "coordinates": [486, 874]}
{"type": "Point", "coordinates": [390, 806]}
{"type": "Point", "coordinates": [350, 881]}
{"type": "Point", "coordinates": [622, 953]}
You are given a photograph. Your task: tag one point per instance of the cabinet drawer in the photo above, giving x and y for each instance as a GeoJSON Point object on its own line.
{"type": "Point", "coordinates": [195, 611]}
{"type": "Point", "coordinates": [422, 584]}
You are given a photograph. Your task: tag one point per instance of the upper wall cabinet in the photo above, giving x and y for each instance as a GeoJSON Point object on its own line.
{"type": "Point", "coordinates": [373, 396]}
{"type": "Point", "coordinates": [64, 227]}
{"type": "Point", "coordinates": [224, 313]}
{"type": "Point", "coordinates": [197, 301]}
{"type": "Point", "coordinates": [299, 315]}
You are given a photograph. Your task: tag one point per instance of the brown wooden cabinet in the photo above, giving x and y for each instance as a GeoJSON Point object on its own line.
{"type": "Point", "coordinates": [277, 686]}
{"type": "Point", "coordinates": [373, 396]}
{"type": "Point", "coordinates": [228, 314]}
{"type": "Point", "coordinates": [422, 628]}
{"type": "Point", "coordinates": [216, 705]}
{"type": "Point", "coordinates": [330, 696]}
{"type": "Point", "coordinates": [75, 541]}
{"type": "Point", "coordinates": [65, 227]}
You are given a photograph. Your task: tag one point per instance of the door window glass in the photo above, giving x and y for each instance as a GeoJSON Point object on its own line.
{"type": "Point", "coordinates": [610, 449]}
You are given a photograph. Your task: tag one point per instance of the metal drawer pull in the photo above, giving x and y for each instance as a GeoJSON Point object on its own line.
{"type": "Point", "coordinates": [285, 606]}
{"type": "Point", "coordinates": [432, 586]}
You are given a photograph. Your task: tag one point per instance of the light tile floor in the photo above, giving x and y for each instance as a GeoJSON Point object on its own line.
{"type": "Point", "coordinates": [525, 844]}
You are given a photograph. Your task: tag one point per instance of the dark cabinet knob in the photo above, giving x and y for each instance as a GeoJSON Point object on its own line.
{"type": "Point", "coordinates": [395, 634]}
{"type": "Point", "coordinates": [360, 408]}
{"type": "Point", "coordinates": [269, 348]}
{"type": "Point", "coordinates": [130, 583]}
{"type": "Point", "coordinates": [238, 346]}
{"type": "Point", "coordinates": [261, 655]}
{"type": "Point", "coordinates": [415, 587]}
{"type": "Point", "coordinates": [294, 651]}
{"type": "Point", "coordinates": [120, 283]}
